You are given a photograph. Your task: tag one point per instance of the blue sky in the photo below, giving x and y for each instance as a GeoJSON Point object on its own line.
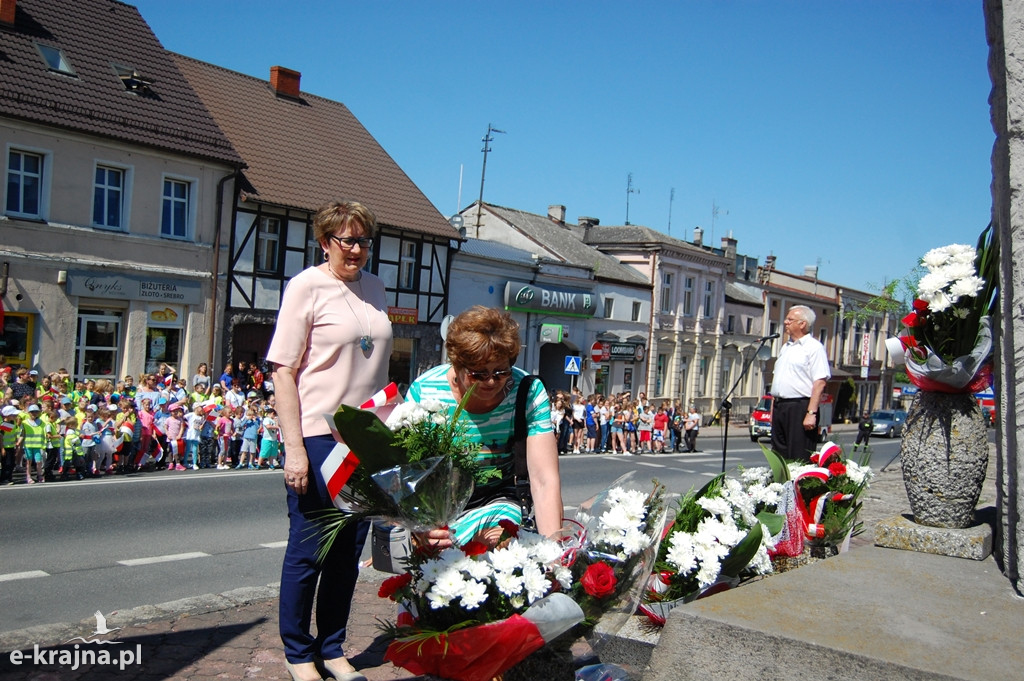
{"type": "Point", "coordinates": [851, 134]}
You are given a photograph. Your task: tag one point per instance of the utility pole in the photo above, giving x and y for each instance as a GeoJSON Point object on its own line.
{"type": "Point", "coordinates": [629, 190]}
{"type": "Point", "coordinates": [483, 173]}
{"type": "Point", "coordinates": [671, 198]}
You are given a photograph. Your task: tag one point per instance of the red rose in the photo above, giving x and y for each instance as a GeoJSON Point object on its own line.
{"type": "Point", "coordinates": [511, 529]}
{"type": "Point", "coordinates": [393, 584]}
{"type": "Point", "coordinates": [913, 319]}
{"type": "Point", "coordinates": [921, 306]}
{"type": "Point", "coordinates": [599, 580]}
{"type": "Point", "coordinates": [474, 548]}
{"type": "Point", "coordinates": [837, 468]}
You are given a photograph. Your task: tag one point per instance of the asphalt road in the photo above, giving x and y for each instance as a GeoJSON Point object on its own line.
{"type": "Point", "coordinates": [69, 549]}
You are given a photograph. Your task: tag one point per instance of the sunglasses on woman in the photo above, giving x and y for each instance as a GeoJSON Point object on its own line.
{"type": "Point", "coordinates": [488, 375]}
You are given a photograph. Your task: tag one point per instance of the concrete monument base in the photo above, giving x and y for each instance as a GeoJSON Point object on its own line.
{"type": "Point", "coordinates": [900, 532]}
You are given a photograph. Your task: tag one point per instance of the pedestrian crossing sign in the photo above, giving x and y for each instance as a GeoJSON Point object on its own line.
{"type": "Point", "coordinates": [572, 364]}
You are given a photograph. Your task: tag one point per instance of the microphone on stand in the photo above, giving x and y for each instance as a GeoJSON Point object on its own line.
{"type": "Point", "coordinates": [768, 338]}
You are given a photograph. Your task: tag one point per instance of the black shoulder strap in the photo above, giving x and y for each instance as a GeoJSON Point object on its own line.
{"type": "Point", "coordinates": [519, 428]}
{"type": "Point", "coordinates": [519, 434]}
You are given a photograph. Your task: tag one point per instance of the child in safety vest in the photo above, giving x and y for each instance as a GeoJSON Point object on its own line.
{"type": "Point", "coordinates": [33, 442]}
{"type": "Point", "coordinates": [11, 430]}
{"type": "Point", "coordinates": [74, 455]}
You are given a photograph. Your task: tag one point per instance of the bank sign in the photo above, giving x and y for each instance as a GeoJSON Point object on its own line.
{"type": "Point", "coordinates": [532, 298]}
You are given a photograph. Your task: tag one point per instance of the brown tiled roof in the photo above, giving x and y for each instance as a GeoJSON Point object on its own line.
{"type": "Point", "coordinates": [94, 35]}
{"type": "Point", "coordinates": [305, 152]}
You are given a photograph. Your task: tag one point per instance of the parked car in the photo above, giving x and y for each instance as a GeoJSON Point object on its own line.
{"type": "Point", "coordinates": [761, 418]}
{"type": "Point", "coordinates": [889, 423]}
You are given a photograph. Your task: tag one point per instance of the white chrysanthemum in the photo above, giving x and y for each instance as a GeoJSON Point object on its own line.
{"type": "Point", "coordinates": [757, 475]}
{"type": "Point", "coordinates": [932, 284]}
{"type": "Point", "coordinates": [508, 583]}
{"type": "Point", "coordinates": [966, 287]}
{"type": "Point", "coordinates": [963, 253]}
{"type": "Point", "coordinates": [634, 542]}
{"type": "Point", "coordinates": [796, 470]}
{"type": "Point", "coordinates": [715, 505]}
{"type": "Point", "coordinates": [939, 302]}
{"type": "Point", "coordinates": [681, 552]}
{"type": "Point", "coordinates": [477, 569]}
{"type": "Point", "coordinates": [937, 257]}
{"type": "Point", "coordinates": [536, 583]}
{"type": "Point", "coordinates": [546, 551]}
{"type": "Point", "coordinates": [563, 576]}
{"type": "Point", "coordinates": [723, 532]}
{"type": "Point", "coordinates": [768, 495]}
{"type": "Point", "coordinates": [857, 473]}
{"type": "Point", "coordinates": [617, 518]}
{"type": "Point", "coordinates": [432, 405]}
{"type": "Point", "coordinates": [505, 560]}
{"type": "Point", "coordinates": [473, 594]}
{"type": "Point", "coordinates": [708, 572]}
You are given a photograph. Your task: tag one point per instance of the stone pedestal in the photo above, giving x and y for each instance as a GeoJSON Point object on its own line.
{"type": "Point", "coordinates": [899, 532]}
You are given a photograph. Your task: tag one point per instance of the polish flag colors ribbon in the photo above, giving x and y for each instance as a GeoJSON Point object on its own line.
{"type": "Point", "coordinates": [388, 395]}
{"type": "Point", "coordinates": [336, 469]}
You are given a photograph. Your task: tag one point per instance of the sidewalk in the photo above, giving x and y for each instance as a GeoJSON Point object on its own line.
{"type": "Point", "coordinates": [234, 635]}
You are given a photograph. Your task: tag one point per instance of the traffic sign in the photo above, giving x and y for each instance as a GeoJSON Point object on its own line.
{"type": "Point", "coordinates": [572, 364]}
{"type": "Point", "coordinates": [597, 351]}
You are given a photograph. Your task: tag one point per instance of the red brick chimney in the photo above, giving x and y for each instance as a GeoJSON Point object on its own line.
{"type": "Point", "coordinates": [283, 81]}
{"type": "Point", "coordinates": [7, 8]}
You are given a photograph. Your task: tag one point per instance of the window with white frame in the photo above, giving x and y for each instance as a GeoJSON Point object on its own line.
{"type": "Point", "coordinates": [98, 343]}
{"type": "Point", "coordinates": [25, 183]}
{"type": "Point", "coordinates": [176, 209]}
{"type": "Point", "coordinates": [666, 292]}
{"type": "Point", "coordinates": [709, 298]}
{"type": "Point", "coordinates": [609, 305]}
{"type": "Point", "coordinates": [688, 296]}
{"type": "Point", "coordinates": [268, 244]}
{"type": "Point", "coordinates": [108, 192]}
{"type": "Point", "coordinates": [314, 252]}
{"type": "Point", "coordinates": [636, 311]}
{"type": "Point", "coordinates": [407, 265]}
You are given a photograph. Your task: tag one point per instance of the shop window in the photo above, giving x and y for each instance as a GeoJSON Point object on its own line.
{"type": "Point", "coordinates": [164, 327]}
{"type": "Point", "coordinates": [16, 339]}
{"type": "Point", "coordinates": [98, 343]}
{"type": "Point", "coordinates": [402, 366]}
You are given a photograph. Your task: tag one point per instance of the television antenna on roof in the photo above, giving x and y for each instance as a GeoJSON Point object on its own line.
{"type": "Point", "coordinates": [629, 190]}
{"type": "Point", "coordinates": [483, 173]}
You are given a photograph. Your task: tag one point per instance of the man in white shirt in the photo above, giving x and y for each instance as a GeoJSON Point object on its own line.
{"type": "Point", "coordinates": [801, 372]}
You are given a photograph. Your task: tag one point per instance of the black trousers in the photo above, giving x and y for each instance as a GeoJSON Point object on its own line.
{"type": "Point", "coordinates": [789, 438]}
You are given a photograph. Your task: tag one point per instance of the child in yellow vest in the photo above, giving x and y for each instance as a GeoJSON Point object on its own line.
{"type": "Point", "coordinates": [33, 441]}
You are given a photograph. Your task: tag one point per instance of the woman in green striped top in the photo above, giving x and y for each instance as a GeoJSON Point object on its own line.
{"type": "Point", "coordinates": [483, 344]}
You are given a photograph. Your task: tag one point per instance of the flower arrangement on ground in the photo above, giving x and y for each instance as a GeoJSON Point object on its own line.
{"type": "Point", "coordinates": [418, 469]}
{"type": "Point", "coordinates": [720, 532]}
{"type": "Point", "coordinates": [949, 337]}
{"type": "Point", "coordinates": [619, 531]}
{"type": "Point", "coordinates": [470, 613]}
{"type": "Point", "coordinates": [822, 499]}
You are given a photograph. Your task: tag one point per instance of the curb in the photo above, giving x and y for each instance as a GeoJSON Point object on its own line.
{"type": "Point", "coordinates": [45, 635]}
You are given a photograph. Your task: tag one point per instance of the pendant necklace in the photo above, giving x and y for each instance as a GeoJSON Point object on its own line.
{"type": "Point", "coordinates": [365, 341]}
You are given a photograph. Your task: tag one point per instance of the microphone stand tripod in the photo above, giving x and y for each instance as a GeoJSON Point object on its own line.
{"type": "Point", "coordinates": [726, 406]}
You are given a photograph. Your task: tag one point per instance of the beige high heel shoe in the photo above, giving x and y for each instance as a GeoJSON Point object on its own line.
{"type": "Point", "coordinates": [335, 670]}
{"type": "Point", "coordinates": [293, 672]}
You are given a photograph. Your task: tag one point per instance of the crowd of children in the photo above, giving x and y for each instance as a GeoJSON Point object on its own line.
{"type": "Point", "coordinates": [619, 424]}
{"type": "Point", "coordinates": [55, 428]}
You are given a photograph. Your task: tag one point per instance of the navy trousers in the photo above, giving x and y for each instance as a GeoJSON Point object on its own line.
{"type": "Point", "coordinates": [301, 574]}
{"type": "Point", "coordinates": [789, 438]}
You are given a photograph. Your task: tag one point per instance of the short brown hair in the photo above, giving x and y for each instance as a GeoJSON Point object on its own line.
{"type": "Point", "coordinates": [481, 335]}
{"type": "Point", "coordinates": [336, 216]}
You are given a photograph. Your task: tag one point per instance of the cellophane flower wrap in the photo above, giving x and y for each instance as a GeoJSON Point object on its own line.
{"type": "Point", "coordinates": [418, 469]}
{"type": "Point", "coordinates": [617, 541]}
{"type": "Point", "coordinates": [469, 613]}
{"type": "Point", "coordinates": [721, 532]}
{"type": "Point", "coordinates": [826, 494]}
{"type": "Point", "coordinates": [948, 339]}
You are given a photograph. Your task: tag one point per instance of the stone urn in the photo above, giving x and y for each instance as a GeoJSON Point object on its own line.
{"type": "Point", "coordinates": [945, 458]}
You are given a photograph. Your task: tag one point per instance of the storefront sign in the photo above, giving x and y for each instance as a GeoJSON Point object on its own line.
{"type": "Point", "coordinates": [532, 298]}
{"type": "Point", "coordinates": [403, 315]}
{"type": "Point", "coordinates": [126, 287]}
{"type": "Point", "coordinates": [627, 352]}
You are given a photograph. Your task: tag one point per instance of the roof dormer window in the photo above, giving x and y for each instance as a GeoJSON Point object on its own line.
{"type": "Point", "coordinates": [132, 80]}
{"type": "Point", "coordinates": [55, 59]}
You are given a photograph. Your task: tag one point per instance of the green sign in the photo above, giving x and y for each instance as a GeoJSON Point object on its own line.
{"type": "Point", "coordinates": [532, 298]}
